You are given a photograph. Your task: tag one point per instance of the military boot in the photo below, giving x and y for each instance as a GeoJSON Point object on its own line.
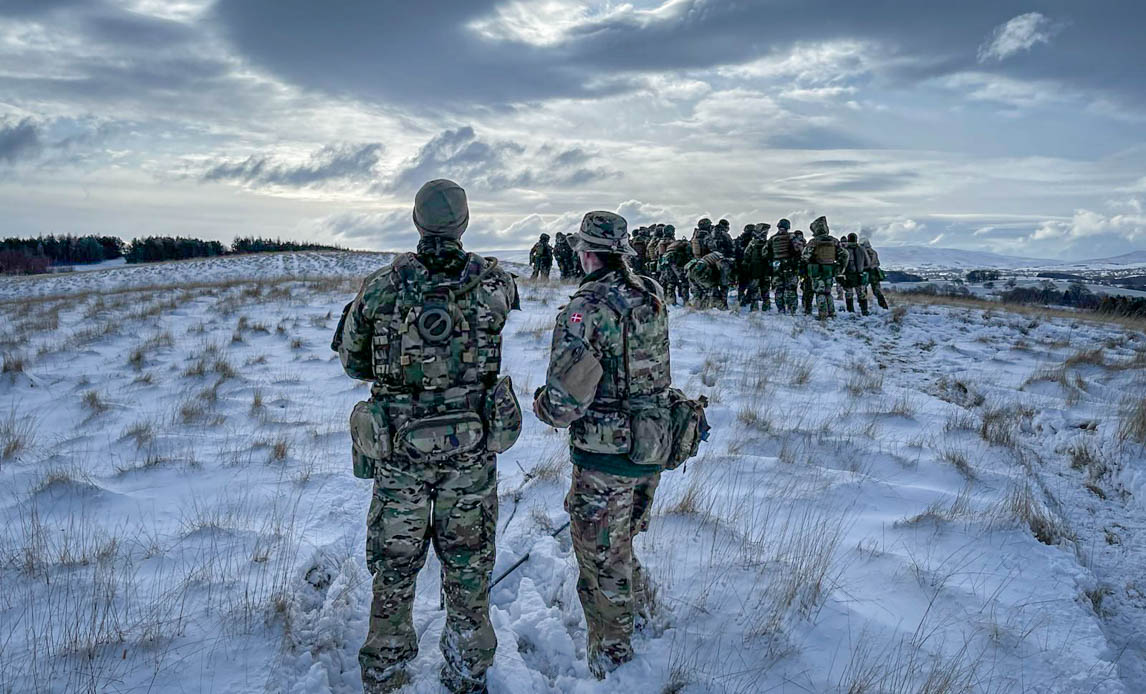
{"type": "Point", "coordinates": [850, 305]}
{"type": "Point", "coordinates": [375, 681]}
{"type": "Point", "coordinates": [458, 683]}
{"type": "Point", "coordinates": [864, 307]}
{"type": "Point", "coordinates": [881, 301]}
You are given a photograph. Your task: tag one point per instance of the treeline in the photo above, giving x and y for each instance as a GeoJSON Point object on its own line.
{"type": "Point", "coordinates": [1078, 296]}
{"type": "Point", "coordinates": [31, 256]}
{"type": "Point", "coordinates": [155, 248]}
{"type": "Point", "coordinates": [67, 249]}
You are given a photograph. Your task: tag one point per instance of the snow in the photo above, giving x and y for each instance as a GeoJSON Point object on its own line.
{"type": "Point", "coordinates": [864, 517]}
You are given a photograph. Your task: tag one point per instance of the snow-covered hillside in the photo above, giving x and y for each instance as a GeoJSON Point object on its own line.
{"type": "Point", "coordinates": [941, 499]}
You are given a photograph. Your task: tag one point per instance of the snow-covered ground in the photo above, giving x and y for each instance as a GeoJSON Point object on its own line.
{"type": "Point", "coordinates": [939, 500]}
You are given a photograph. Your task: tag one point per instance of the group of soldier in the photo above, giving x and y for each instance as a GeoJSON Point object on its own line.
{"type": "Point", "coordinates": [426, 332]}
{"type": "Point", "coordinates": [784, 266]}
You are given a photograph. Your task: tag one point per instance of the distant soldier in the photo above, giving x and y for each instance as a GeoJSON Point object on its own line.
{"type": "Point", "coordinates": [674, 260]}
{"type": "Point", "coordinates": [701, 241]}
{"type": "Point", "coordinates": [653, 254]}
{"type": "Point", "coordinates": [804, 280]}
{"type": "Point", "coordinates": [610, 356]}
{"type": "Point", "coordinates": [541, 258]}
{"type": "Point", "coordinates": [426, 331]}
{"type": "Point", "coordinates": [825, 258]}
{"type": "Point", "coordinates": [563, 254]}
{"type": "Point", "coordinates": [855, 276]}
{"type": "Point", "coordinates": [722, 241]}
{"type": "Point", "coordinates": [709, 278]}
{"type": "Point", "coordinates": [874, 274]}
{"type": "Point", "coordinates": [640, 243]}
{"type": "Point", "coordinates": [782, 258]}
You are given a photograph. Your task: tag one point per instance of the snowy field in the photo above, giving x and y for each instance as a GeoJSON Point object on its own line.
{"type": "Point", "coordinates": [940, 499]}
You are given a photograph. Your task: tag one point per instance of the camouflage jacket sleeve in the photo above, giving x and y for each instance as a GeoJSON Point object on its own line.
{"type": "Point", "coordinates": [574, 362]}
{"type": "Point", "coordinates": [841, 258]}
{"type": "Point", "coordinates": [355, 352]}
{"type": "Point", "coordinates": [806, 254]}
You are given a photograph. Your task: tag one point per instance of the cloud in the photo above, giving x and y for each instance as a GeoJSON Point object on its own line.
{"type": "Point", "coordinates": [1087, 223]}
{"type": "Point", "coordinates": [495, 165]}
{"type": "Point", "coordinates": [342, 162]}
{"type": "Point", "coordinates": [1019, 34]}
{"type": "Point", "coordinates": [19, 141]}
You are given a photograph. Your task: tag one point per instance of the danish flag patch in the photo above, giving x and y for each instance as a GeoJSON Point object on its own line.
{"type": "Point", "coordinates": [575, 318]}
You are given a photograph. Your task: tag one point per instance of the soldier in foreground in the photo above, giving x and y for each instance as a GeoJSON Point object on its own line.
{"type": "Point", "coordinates": [875, 274]}
{"type": "Point", "coordinates": [609, 383]}
{"type": "Point", "coordinates": [825, 259]}
{"type": "Point", "coordinates": [855, 276]}
{"type": "Point", "coordinates": [426, 331]}
{"type": "Point", "coordinates": [541, 258]}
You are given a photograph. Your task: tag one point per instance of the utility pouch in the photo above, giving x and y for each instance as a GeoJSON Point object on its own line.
{"type": "Point", "coordinates": [652, 437]}
{"type": "Point", "coordinates": [689, 426]}
{"type": "Point", "coordinates": [369, 437]}
{"type": "Point", "coordinates": [502, 416]}
{"type": "Point", "coordinates": [602, 431]}
{"type": "Point", "coordinates": [444, 435]}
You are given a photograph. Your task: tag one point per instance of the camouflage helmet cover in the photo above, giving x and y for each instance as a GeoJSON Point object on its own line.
{"type": "Point", "coordinates": [819, 227]}
{"type": "Point", "coordinates": [704, 223]}
{"type": "Point", "coordinates": [441, 209]}
{"type": "Point", "coordinates": [560, 235]}
{"type": "Point", "coordinates": [783, 224]}
{"type": "Point", "coordinates": [543, 238]}
{"type": "Point", "coordinates": [749, 228]}
{"type": "Point", "coordinates": [723, 223]}
{"type": "Point", "coordinates": [603, 232]}
{"type": "Point", "coordinates": [669, 230]}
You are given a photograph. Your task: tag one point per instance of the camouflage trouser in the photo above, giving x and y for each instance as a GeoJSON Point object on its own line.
{"type": "Point", "coordinates": [675, 283]}
{"type": "Point", "coordinates": [784, 284]}
{"type": "Point", "coordinates": [877, 291]}
{"type": "Point", "coordinates": [541, 270]}
{"type": "Point", "coordinates": [855, 287]}
{"type": "Point", "coordinates": [748, 294]}
{"type": "Point", "coordinates": [453, 505]}
{"type": "Point", "coordinates": [606, 512]}
{"type": "Point", "coordinates": [822, 283]}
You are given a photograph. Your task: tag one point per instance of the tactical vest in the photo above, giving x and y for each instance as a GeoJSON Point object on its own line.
{"type": "Point", "coordinates": [824, 252]}
{"type": "Point", "coordinates": [781, 246]}
{"type": "Point", "coordinates": [639, 369]}
{"type": "Point", "coordinates": [443, 332]}
{"type": "Point", "coordinates": [857, 258]}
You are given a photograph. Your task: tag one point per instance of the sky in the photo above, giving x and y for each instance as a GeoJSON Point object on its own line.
{"type": "Point", "coordinates": [1013, 127]}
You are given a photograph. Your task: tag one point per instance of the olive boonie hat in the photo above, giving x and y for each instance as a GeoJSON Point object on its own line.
{"type": "Point", "coordinates": [603, 232]}
{"type": "Point", "coordinates": [441, 209]}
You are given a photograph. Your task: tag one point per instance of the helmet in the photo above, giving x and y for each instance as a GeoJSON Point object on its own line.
{"type": "Point", "coordinates": [441, 209]}
{"type": "Point", "coordinates": [798, 232]}
{"type": "Point", "coordinates": [783, 224]}
{"type": "Point", "coordinates": [543, 238]}
{"type": "Point", "coordinates": [819, 227]}
{"type": "Point", "coordinates": [864, 241]}
{"type": "Point", "coordinates": [704, 223]}
{"type": "Point", "coordinates": [749, 228]}
{"type": "Point", "coordinates": [669, 231]}
{"type": "Point", "coordinates": [723, 223]}
{"type": "Point", "coordinates": [603, 232]}
{"type": "Point", "coordinates": [852, 237]}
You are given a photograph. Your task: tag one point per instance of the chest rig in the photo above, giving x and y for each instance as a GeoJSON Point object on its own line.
{"type": "Point", "coordinates": [442, 332]}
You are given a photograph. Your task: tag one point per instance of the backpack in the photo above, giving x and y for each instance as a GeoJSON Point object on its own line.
{"type": "Point", "coordinates": [689, 426]}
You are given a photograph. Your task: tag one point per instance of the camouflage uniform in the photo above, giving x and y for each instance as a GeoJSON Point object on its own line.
{"type": "Point", "coordinates": [426, 330]}
{"type": "Point", "coordinates": [755, 271]}
{"type": "Point", "coordinates": [701, 241]}
{"type": "Point", "coordinates": [563, 254]}
{"type": "Point", "coordinates": [609, 367]}
{"type": "Point", "coordinates": [541, 258]}
{"type": "Point", "coordinates": [781, 256]}
{"type": "Point", "coordinates": [855, 276]}
{"type": "Point", "coordinates": [674, 260]}
{"type": "Point", "coordinates": [802, 276]}
{"type": "Point", "coordinates": [825, 258]}
{"type": "Point", "coordinates": [709, 278]}
{"type": "Point", "coordinates": [875, 274]}
{"type": "Point", "coordinates": [640, 245]}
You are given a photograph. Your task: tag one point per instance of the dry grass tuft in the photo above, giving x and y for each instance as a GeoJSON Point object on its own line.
{"type": "Point", "coordinates": [861, 380]}
{"type": "Point", "coordinates": [13, 363]}
{"type": "Point", "coordinates": [1132, 421]}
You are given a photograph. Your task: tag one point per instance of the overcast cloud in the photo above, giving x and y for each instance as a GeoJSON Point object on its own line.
{"type": "Point", "coordinates": [994, 125]}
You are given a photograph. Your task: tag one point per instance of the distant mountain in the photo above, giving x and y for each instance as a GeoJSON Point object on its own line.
{"type": "Point", "coordinates": [1131, 258]}
{"type": "Point", "coordinates": [924, 257]}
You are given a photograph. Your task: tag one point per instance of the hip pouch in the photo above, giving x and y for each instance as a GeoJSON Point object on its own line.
{"type": "Point", "coordinates": [652, 436]}
{"type": "Point", "coordinates": [689, 427]}
{"type": "Point", "coordinates": [502, 416]}
{"type": "Point", "coordinates": [602, 431]}
{"type": "Point", "coordinates": [438, 437]}
{"type": "Point", "coordinates": [369, 437]}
